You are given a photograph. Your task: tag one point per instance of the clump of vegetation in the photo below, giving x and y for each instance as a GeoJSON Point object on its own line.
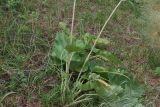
{"type": "Point", "coordinates": [88, 71]}
{"type": "Point", "coordinates": [13, 5]}
{"type": "Point", "coordinates": [100, 76]}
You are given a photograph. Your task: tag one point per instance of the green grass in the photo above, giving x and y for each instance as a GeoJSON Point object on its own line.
{"type": "Point", "coordinates": [27, 38]}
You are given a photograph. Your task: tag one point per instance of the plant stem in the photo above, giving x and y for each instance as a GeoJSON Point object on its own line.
{"type": "Point", "coordinates": [73, 18]}
{"type": "Point", "coordinates": [71, 37]}
{"type": "Point", "coordinates": [67, 78]}
{"type": "Point", "coordinates": [100, 33]}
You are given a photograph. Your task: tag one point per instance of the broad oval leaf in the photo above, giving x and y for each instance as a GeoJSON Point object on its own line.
{"type": "Point", "coordinates": [107, 56]}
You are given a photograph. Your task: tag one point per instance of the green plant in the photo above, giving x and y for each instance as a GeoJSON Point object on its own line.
{"type": "Point", "coordinates": [102, 66]}
{"type": "Point", "coordinates": [157, 71]}
{"type": "Point", "coordinates": [86, 68]}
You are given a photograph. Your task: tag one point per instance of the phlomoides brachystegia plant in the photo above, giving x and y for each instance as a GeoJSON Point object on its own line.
{"type": "Point", "coordinates": [86, 67]}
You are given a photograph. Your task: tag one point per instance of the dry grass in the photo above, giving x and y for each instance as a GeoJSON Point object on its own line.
{"type": "Point", "coordinates": [152, 11]}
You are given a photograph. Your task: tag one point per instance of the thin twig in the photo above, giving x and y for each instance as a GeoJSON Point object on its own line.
{"type": "Point", "coordinates": [66, 80]}
{"type": "Point", "coordinates": [73, 18]}
{"type": "Point", "coordinates": [95, 42]}
{"type": "Point", "coordinates": [71, 37]}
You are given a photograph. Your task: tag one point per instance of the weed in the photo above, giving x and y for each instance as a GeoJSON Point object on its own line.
{"type": "Point", "coordinates": [13, 5]}
{"type": "Point", "coordinates": [79, 70]}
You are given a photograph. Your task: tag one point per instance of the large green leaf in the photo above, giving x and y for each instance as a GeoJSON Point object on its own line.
{"type": "Point", "coordinates": [124, 97]}
{"type": "Point", "coordinates": [89, 38]}
{"type": "Point", "coordinates": [62, 48]}
{"type": "Point", "coordinates": [131, 96]}
{"type": "Point", "coordinates": [102, 88]}
{"type": "Point", "coordinates": [103, 41]}
{"type": "Point", "coordinates": [77, 65]}
{"type": "Point", "coordinates": [73, 48]}
{"type": "Point", "coordinates": [107, 56]}
{"type": "Point", "coordinates": [95, 81]}
{"type": "Point", "coordinates": [157, 71]}
{"type": "Point", "coordinates": [61, 41]}
{"type": "Point", "coordinates": [76, 46]}
{"type": "Point", "coordinates": [64, 27]}
{"type": "Point", "coordinates": [99, 85]}
{"type": "Point", "coordinates": [112, 74]}
{"type": "Point", "coordinates": [80, 43]}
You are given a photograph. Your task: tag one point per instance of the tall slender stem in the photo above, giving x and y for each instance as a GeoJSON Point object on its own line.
{"type": "Point", "coordinates": [67, 78]}
{"type": "Point", "coordinates": [73, 18]}
{"type": "Point", "coordinates": [71, 36]}
{"type": "Point", "coordinates": [95, 42]}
